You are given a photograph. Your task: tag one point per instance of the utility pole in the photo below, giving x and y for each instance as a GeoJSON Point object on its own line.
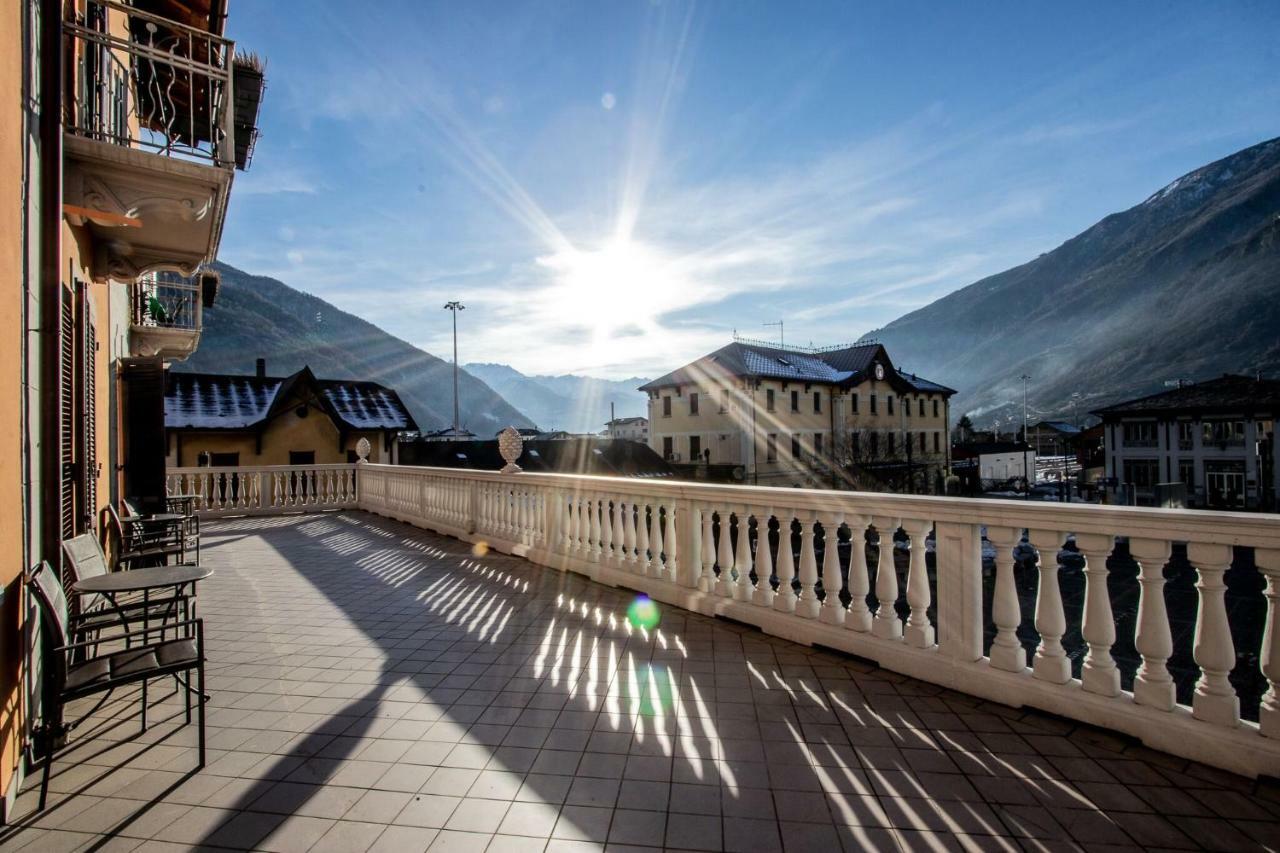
{"type": "Point", "coordinates": [455, 306]}
{"type": "Point", "coordinates": [1026, 472]}
{"type": "Point", "coordinates": [782, 333]}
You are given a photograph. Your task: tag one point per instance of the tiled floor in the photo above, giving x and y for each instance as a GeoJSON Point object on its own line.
{"type": "Point", "coordinates": [379, 688]}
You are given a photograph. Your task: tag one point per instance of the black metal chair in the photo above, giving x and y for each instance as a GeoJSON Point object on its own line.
{"type": "Point", "coordinates": [71, 673]}
{"type": "Point", "coordinates": [143, 542]}
{"type": "Point", "coordinates": [85, 558]}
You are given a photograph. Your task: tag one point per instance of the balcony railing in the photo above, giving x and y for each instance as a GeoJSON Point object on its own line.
{"type": "Point", "coordinates": [265, 489]}
{"type": "Point", "coordinates": [167, 300]}
{"type": "Point", "coordinates": [145, 81]}
{"type": "Point", "coordinates": [811, 566]}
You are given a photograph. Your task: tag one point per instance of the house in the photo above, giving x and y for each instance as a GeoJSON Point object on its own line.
{"type": "Point", "coordinates": [449, 434]}
{"type": "Point", "coordinates": [834, 417]}
{"type": "Point", "coordinates": [570, 455]}
{"type": "Point", "coordinates": [632, 429]}
{"type": "Point", "coordinates": [122, 129]}
{"type": "Point", "coordinates": [1053, 438]}
{"type": "Point", "coordinates": [1216, 438]}
{"type": "Point", "coordinates": [224, 420]}
{"type": "Point", "coordinates": [988, 464]}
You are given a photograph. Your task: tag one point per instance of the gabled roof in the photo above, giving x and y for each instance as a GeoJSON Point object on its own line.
{"type": "Point", "coordinates": [1228, 394]}
{"type": "Point", "coordinates": [1058, 426]}
{"type": "Point", "coordinates": [201, 401]}
{"type": "Point", "coordinates": [845, 366]}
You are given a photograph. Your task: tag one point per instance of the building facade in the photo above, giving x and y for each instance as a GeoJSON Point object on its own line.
{"type": "Point", "coordinates": [1216, 439]}
{"type": "Point", "coordinates": [224, 420]}
{"type": "Point", "coordinates": [631, 429]}
{"type": "Point", "coordinates": [122, 131]}
{"type": "Point", "coordinates": [840, 417]}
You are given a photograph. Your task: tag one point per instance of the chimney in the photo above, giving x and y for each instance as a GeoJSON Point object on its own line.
{"type": "Point", "coordinates": [260, 368]}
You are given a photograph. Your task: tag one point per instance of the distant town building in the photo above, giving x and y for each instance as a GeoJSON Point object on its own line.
{"type": "Point", "coordinates": [449, 434]}
{"type": "Point", "coordinates": [1053, 438]}
{"type": "Point", "coordinates": [984, 465]}
{"type": "Point", "coordinates": [227, 420]}
{"type": "Point", "coordinates": [1216, 438]}
{"type": "Point", "coordinates": [632, 429]}
{"type": "Point", "coordinates": [837, 417]}
{"type": "Point", "coordinates": [572, 455]}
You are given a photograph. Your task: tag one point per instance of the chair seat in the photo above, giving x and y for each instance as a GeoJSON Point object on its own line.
{"type": "Point", "coordinates": [131, 662]}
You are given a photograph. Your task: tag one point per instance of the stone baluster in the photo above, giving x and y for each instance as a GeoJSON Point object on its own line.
{"type": "Point", "coordinates": [833, 612]}
{"type": "Point", "coordinates": [1006, 650]}
{"type": "Point", "coordinates": [606, 532]}
{"type": "Point", "coordinates": [707, 551]}
{"type": "Point", "coordinates": [784, 600]}
{"type": "Point", "coordinates": [1268, 561]}
{"type": "Point", "coordinates": [1153, 685]}
{"type": "Point", "coordinates": [724, 556]}
{"type": "Point", "coordinates": [763, 593]}
{"type": "Point", "coordinates": [807, 604]}
{"type": "Point", "coordinates": [1215, 700]}
{"type": "Point", "coordinates": [629, 534]}
{"type": "Point", "coordinates": [919, 632]}
{"type": "Point", "coordinates": [886, 625]}
{"type": "Point", "coordinates": [619, 534]}
{"type": "Point", "coordinates": [643, 550]}
{"type": "Point", "coordinates": [657, 543]}
{"type": "Point", "coordinates": [593, 510]}
{"type": "Point", "coordinates": [1099, 674]}
{"type": "Point", "coordinates": [858, 615]}
{"type": "Point", "coordinates": [671, 545]}
{"type": "Point", "coordinates": [742, 557]}
{"type": "Point", "coordinates": [1051, 662]}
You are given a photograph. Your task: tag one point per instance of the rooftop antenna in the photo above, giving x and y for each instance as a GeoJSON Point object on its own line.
{"type": "Point", "coordinates": [782, 333]}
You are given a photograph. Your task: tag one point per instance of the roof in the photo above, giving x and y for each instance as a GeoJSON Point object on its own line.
{"type": "Point", "coordinates": [984, 448]}
{"type": "Point", "coordinates": [1057, 426]}
{"type": "Point", "coordinates": [1228, 394]}
{"type": "Point", "coordinates": [627, 421]}
{"type": "Point", "coordinates": [844, 366]}
{"type": "Point", "coordinates": [203, 401]}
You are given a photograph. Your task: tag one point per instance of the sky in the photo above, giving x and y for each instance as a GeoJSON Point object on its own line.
{"type": "Point", "coordinates": [614, 189]}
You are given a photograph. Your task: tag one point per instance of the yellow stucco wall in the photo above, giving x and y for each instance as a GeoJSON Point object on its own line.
{"type": "Point", "coordinates": [288, 432]}
{"type": "Point", "coordinates": [12, 250]}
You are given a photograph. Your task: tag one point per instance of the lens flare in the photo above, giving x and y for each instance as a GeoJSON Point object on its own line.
{"type": "Point", "coordinates": [644, 613]}
{"type": "Point", "coordinates": [480, 549]}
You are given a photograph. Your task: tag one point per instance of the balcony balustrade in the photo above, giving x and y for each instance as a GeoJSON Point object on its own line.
{"type": "Point", "coordinates": [167, 313]}
{"type": "Point", "coordinates": [150, 136]}
{"type": "Point", "coordinates": [898, 580]}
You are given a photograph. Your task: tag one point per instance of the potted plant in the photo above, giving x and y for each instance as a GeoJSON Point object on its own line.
{"type": "Point", "coordinates": [248, 76]}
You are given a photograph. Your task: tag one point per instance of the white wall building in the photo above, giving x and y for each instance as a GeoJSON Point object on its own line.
{"type": "Point", "coordinates": [631, 429]}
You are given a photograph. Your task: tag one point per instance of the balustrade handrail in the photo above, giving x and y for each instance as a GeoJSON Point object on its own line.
{"type": "Point", "coordinates": [1180, 525]}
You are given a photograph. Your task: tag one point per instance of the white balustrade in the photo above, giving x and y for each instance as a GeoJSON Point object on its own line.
{"type": "Point", "coordinates": [690, 544]}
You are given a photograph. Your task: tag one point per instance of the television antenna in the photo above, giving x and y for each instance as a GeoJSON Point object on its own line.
{"type": "Point", "coordinates": [782, 333]}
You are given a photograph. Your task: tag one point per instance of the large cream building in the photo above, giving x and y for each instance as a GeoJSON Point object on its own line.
{"type": "Point", "coordinates": [839, 417]}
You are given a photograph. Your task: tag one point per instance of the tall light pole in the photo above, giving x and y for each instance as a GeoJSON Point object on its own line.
{"type": "Point", "coordinates": [1030, 477]}
{"type": "Point", "coordinates": [455, 307]}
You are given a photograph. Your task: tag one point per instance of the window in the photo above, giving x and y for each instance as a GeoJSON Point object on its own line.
{"type": "Point", "coordinates": [854, 401]}
{"type": "Point", "coordinates": [795, 401]}
{"type": "Point", "coordinates": [888, 402]}
{"type": "Point", "coordinates": [1223, 433]}
{"type": "Point", "coordinates": [873, 404]}
{"type": "Point", "coordinates": [224, 460]}
{"type": "Point", "coordinates": [666, 407]}
{"type": "Point", "coordinates": [724, 400]}
{"type": "Point", "coordinates": [855, 444]}
{"type": "Point", "coordinates": [1140, 434]}
{"type": "Point", "coordinates": [817, 401]}
{"type": "Point", "coordinates": [1142, 473]}
{"type": "Point", "coordinates": [892, 439]}
{"type": "Point", "coordinates": [875, 443]}
{"type": "Point", "coordinates": [768, 399]}
{"type": "Point", "coordinates": [1187, 473]}
{"type": "Point", "coordinates": [937, 442]}
{"type": "Point", "coordinates": [795, 446]}
{"type": "Point", "coordinates": [935, 406]}
{"type": "Point", "coordinates": [906, 407]}
{"type": "Point", "coordinates": [693, 404]}
{"type": "Point", "coordinates": [668, 450]}
{"type": "Point", "coordinates": [771, 448]}
{"type": "Point", "coordinates": [1186, 435]}
{"type": "Point", "coordinates": [695, 448]}
{"type": "Point", "coordinates": [922, 442]}
{"type": "Point", "coordinates": [817, 444]}
{"type": "Point", "coordinates": [302, 457]}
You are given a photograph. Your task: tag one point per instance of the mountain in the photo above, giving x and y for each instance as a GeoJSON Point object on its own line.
{"type": "Point", "coordinates": [574, 403]}
{"type": "Point", "coordinates": [1185, 285]}
{"type": "Point", "coordinates": [260, 317]}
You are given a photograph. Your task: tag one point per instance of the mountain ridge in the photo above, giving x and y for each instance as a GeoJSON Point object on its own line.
{"type": "Point", "coordinates": [579, 404]}
{"type": "Point", "coordinates": [1185, 284]}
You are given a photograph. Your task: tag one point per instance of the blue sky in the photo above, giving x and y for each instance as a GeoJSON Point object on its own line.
{"type": "Point", "coordinates": [613, 188]}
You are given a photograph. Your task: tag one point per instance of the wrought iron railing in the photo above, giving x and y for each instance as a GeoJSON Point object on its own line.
{"type": "Point", "coordinates": [167, 300]}
{"type": "Point", "coordinates": [145, 81]}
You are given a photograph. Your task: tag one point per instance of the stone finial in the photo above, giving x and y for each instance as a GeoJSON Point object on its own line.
{"type": "Point", "coordinates": [362, 449]}
{"type": "Point", "coordinates": [510, 445]}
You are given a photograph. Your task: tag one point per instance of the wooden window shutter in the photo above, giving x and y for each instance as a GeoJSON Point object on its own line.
{"type": "Point", "coordinates": [67, 417]}
{"type": "Point", "coordinates": [89, 386]}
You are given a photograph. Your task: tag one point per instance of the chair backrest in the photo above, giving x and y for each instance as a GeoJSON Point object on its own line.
{"type": "Point", "coordinates": [46, 587]}
{"type": "Point", "coordinates": [84, 556]}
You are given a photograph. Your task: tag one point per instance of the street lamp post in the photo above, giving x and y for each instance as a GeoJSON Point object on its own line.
{"type": "Point", "coordinates": [455, 306]}
{"type": "Point", "coordinates": [1029, 477]}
